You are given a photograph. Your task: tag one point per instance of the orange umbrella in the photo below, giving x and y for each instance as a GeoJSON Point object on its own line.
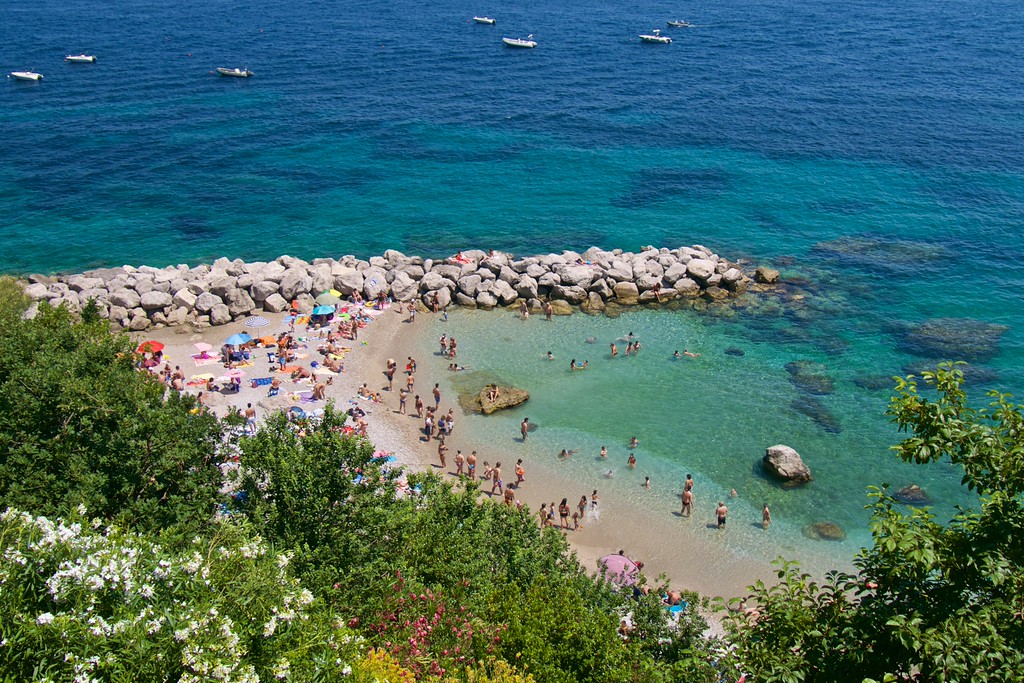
{"type": "Point", "coordinates": [150, 347]}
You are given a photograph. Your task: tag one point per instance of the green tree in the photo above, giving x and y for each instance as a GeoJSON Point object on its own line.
{"type": "Point", "coordinates": [931, 601]}
{"type": "Point", "coordinates": [80, 424]}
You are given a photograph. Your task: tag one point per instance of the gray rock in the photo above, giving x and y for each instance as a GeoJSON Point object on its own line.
{"type": "Point", "coordinates": [578, 276]}
{"type": "Point", "coordinates": [486, 300]}
{"type": "Point", "coordinates": [646, 282]}
{"type": "Point", "coordinates": [464, 301]}
{"type": "Point", "coordinates": [601, 288]}
{"type": "Point", "coordinates": [206, 301]}
{"type": "Point", "coordinates": [765, 275]}
{"type": "Point", "coordinates": [154, 300]}
{"type": "Point", "coordinates": [184, 299]}
{"type": "Point", "coordinates": [139, 323]}
{"type": "Point", "coordinates": [222, 286]}
{"type": "Point", "coordinates": [239, 302]}
{"type": "Point", "coordinates": [626, 293]}
{"type": "Point", "coordinates": [348, 281]}
{"type": "Point", "coordinates": [177, 316]}
{"type": "Point", "coordinates": [785, 463]}
{"type": "Point", "coordinates": [263, 289]}
{"type": "Point", "coordinates": [594, 303]}
{"type": "Point", "coordinates": [535, 270]}
{"type": "Point", "coordinates": [560, 307]}
{"type": "Point", "coordinates": [275, 303]}
{"type": "Point", "coordinates": [732, 275]}
{"type": "Point", "coordinates": [504, 292]}
{"type": "Point", "coordinates": [510, 276]}
{"type": "Point", "coordinates": [700, 269]}
{"type": "Point", "coordinates": [825, 531]}
{"type": "Point", "coordinates": [675, 273]}
{"type": "Point", "coordinates": [323, 280]}
{"type": "Point", "coordinates": [143, 285]}
{"type": "Point", "coordinates": [954, 339]}
{"type": "Point", "coordinates": [444, 298]}
{"type": "Point", "coordinates": [571, 293]}
{"type": "Point", "coordinates": [125, 298]}
{"type": "Point", "coordinates": [36, 291]}
{"type": "Point", "coordinates": [295, 282]}
{"type": "Point", "coordinates": [469, 284]}
{"type": "Point", "coordinates": [687, 287]}
{"type": "Point", "coordinates": [716, 294]}
{"type": "Point", "coordinates": [78, 283]}
{"type": "Point", "coordinates": [404, 287]}
{"type": "Point", "coordinates": [220, 315]}
{"type": "Point", "coordinates": [527, 287]}
{"type": "Point", "coordinates": [549, 280]}
{"type": "Point", "coordinates": [374, 282]}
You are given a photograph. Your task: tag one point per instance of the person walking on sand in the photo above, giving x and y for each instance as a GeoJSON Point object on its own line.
{"type": "Point", "coordinates": [766, 517]}
{"type": "Point", "coordinates": [250, 423]}
{"type": "Point", "coordinates": [524, 427]}
{"type": "Point", "coordinates": [471, 466]}
{"type": "Point", "coordinates": [403, 397]}
{"type": "Point", "coordinates": [442, 452]}
{"type": "Point", "coordinates": [520, 472]}
{"type": "Point", "coordinates": [496, 482]}
{"type": "Point", "coordinates": [543, 514]}
{"type": "Point", "coordinates": [721, 512]}
{"type": "Point", "coordinates": [412, 312]}
{"type": "Point", "coordinates": [687, 503]}
{"type": "Point", "coordinates": [418, 404]}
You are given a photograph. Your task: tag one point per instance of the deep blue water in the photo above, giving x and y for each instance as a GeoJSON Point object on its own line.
{"type": "Point", "coordinates": [764, 131]}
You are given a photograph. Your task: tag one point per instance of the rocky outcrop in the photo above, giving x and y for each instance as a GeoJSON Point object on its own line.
{"type": "Point", "coordinates": [953, 339]}
{"type": "Point", "coordinates": [810, 377]}
{"type": "Point", "coordinates": [913, 494]}
{"type": "Point", "coordinates": [223, 291]}
{"type": "Point", "coordinates": [786, 464]}
{"type": "Point", "coordinates": [508, 397]}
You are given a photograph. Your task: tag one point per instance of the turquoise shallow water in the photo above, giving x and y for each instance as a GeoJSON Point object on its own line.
{"type": "Point", "coordinates": [765, 132]}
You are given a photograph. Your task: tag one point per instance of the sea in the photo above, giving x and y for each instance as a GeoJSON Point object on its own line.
{"type": "Point", "coordinates": [872, 152]}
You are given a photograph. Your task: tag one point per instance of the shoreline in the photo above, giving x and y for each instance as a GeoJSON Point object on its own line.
{"type": "Point", "coordinates": [688, 553]}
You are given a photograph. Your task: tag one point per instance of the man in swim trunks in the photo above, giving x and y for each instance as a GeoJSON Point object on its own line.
{"type": "Point", "coordinates": [524, 428]}
{"type": "Point", "coordinates": [471, 466]}
{"type": "Point", "coordinates": [687, 503]}
{"type": "Point", "coordinates": [722, 511]}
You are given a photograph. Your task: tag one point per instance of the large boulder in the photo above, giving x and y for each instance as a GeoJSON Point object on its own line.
{"type": "Point", "coordinates": [239, 302]}
{"type": "Point", "coordinates": [125, 298]}
{"type": "Point", "coordinates": [579, 276]}
{"type": "Point", "coordinates": [403, 287]}
{"type": "Point", "coordinates": [206, 301]}
{"type": "Point", "coordinates": [913, 494]}
{"type": "Point", "coordinates": [275, 303]}
{"type": "Point", "coordinates": [469, 284]}
{"type": "Point", "coordinates": [154, 300]}
{"type": "Point", "coordinates": [766, 275]}
{"type": "Point", "coordinates": [184, 298]}
{"type": "Point", "coordinates": [700, 269]}
{"type": "Point", "coordinates": [508, 397]}
{"type": "Point", "coordinates": [296, 281]}
{"type": "Point", "coordinates": [786, 464]}
{"type": "Point", "coordinates": [263, 289]}
{"type": "Point", "coordinates": [374, 282]}
{"type": "Point", "coordinates": [348, 280]}
{"type": "Point", "coordinates": [572, 294]}
{"type": "Point", "coordinates": [220, 315]}
{"type": "Point", "coordinates": [626, 293]}
{"type": "Point", "coordinates": [825, 531]}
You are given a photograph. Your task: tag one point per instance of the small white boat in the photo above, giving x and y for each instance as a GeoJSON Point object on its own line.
{"type": "Point", "coordinates": [236, 72]}
{"type": "Point", "coordinates": [680, 24]}
{"type": "Point", "coordinates": [485, 20]}
{"type": "Point", "coordinates": [655, 37]}
{"type": "Point", "coordinates": [80, 59]}
{"type": "Point", "coordinates": [528, 41]}
{"type": "Point", "coordinates": [25, 76]}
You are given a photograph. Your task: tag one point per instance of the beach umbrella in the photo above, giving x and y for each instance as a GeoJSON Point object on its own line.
{"type": "Point", "coordinates": [202, 347]}
{"type": "Point", "coordinates": [238, 339]}
{"type": "Point", "coordinates": [234, 372]}
{"type": "Point", "coordinates": [328, 299]}
{"type": "Point", "coordinates": [150, 347]}
{"type": "Point", "coordinates": [619, 569]}
{"type": "Point", "coordinates": [323, 310]}
{"type": "Point", "coordinates": [256, 321]}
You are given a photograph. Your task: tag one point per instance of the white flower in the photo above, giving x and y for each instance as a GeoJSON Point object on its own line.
{"type": "Point", "coordinates": [283, 559]}
{"type": "Point", "coordinates": [347, 671]}
{"type": "Point", "coordinates": [270, 627]}
{"type": "Point", "coordinates": [44, 619]}
{"type": "Point", "coordinates": [81, 508]}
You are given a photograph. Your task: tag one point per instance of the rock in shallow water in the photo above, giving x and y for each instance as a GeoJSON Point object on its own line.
{"type": "Point", "coordinates": [953, 339]}
{"type": "Point", "coordinates": [785, 463]}
{"type": "Point", "coordinates": [508, 397]}
{"type": "Point", "coordinates": [913, 495]}
{"type": "Point", "coordinates": [825, 531]}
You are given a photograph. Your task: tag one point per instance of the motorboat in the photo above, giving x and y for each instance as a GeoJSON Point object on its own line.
{"type": "Point", "coordinates": [655, 37]}
{"type": "Point", "coordinates": [80, 59]}
{"type": "Point", "coordinates": [528, 41]}
{"type": "Point", "coordinates": [25, 76]}
{"type": "Point", "coordinates": [235, 73]}
{"type": "Point", "coordinates": [485, 20]}
{"type": "Point", "coordinates": [680, 24]}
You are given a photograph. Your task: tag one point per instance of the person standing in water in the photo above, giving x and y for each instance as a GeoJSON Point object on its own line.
{"type": "Point", "coordinates": [524, 427]}
{"type": "Point", "coordinates": [721, 511]}
{"type": "Point", "coordinates": [766, 517]}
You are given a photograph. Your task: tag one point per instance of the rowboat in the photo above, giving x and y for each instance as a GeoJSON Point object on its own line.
{"type": "Point", "coordinates": [25, 76]}
{"type": "Point", "coordinates": [485, 20]}
{"type": "Point", "coordinates": [80, 59]}
{"type": "Point", "coordinates": [655, 37]}
{"type": "Point", "coordinates": [236, 72]}
{"type": "Point", "coordinates": [680, 24]}
{"type": "Point", "coordinates": [528, 41]}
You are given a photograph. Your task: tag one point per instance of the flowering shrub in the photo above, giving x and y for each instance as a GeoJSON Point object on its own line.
{"type": "Point", "coordinates": [80, 602]}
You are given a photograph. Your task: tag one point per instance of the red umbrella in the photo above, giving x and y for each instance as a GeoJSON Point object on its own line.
{"type": "Point", "coordinates": [150, 347]}
{"type": "Point", "coordinates": [619, 569]}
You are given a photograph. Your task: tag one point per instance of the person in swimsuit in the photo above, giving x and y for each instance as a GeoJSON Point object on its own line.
{"type": "Point", "coordinates": [687, 503]}
{"type": "Point", "coordinates": [582, 506]}
{"type": "Point", "coordinates": [471, 466]}
{"type": "Point", "coordinates": [766, 517]}
{"type": "Point", "coordinates": [721, 511]}
{"type": "Point", "coordinates": [563, 513]}
{"type": "Point", "coordinates": [496, 482]}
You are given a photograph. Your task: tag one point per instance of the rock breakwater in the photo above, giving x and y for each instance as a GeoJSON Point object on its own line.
{"type": "Point", "coordinates": [138, 298]}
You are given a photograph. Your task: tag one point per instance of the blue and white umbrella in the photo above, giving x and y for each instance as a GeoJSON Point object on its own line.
{"type": "Point", "coordinates": [256, 321]}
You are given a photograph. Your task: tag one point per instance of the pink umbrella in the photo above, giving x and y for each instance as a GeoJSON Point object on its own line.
{"type": "Point", "coordinates": [619, 569]}
{"type": "Point", "coordinates": [202, 347]}
{"type": "Point", "coordinates": [236, 373]}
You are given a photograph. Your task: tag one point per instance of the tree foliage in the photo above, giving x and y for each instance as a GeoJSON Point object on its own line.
{"type": "Point", "coordinates": [931, 601]}
{"type": "Point", "coordinates": [79, 424]}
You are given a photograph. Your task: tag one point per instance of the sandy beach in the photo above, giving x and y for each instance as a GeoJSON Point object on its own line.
{"type": "Point", "coordinates": [668, 544]}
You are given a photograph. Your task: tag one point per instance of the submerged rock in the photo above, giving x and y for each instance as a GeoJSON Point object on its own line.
{"type": "Point", "coordinates": [881, 254]}
{"type": "Point", "coordinates": [973, 374]}
{"type": "Point", "coordinates": [825, 531]}
{"type": "Point", "coordinates": [874, 382]}
{"type": "Point", "coordinates": [953, 339]}
{"type": "Point", "coordinates": [733, 351]}
{"type": "Point", "coordinates": [816, 410]}
{"type": "Point", "coordinates": [913, 494]}
{"type": "Point", "coordinates": [810, 377]}
{"type": "Point", "coordinates": [785, 463]}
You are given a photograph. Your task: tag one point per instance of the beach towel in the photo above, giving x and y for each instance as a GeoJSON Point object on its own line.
{"type": "Point", "coordinates": [261, 382]}
{"type": "Point", "coordinates": [196, 383]}
{"type": "Point", "coordinates": [289, 368]}
{"type": "Point", "coordinates": [200, 362]}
